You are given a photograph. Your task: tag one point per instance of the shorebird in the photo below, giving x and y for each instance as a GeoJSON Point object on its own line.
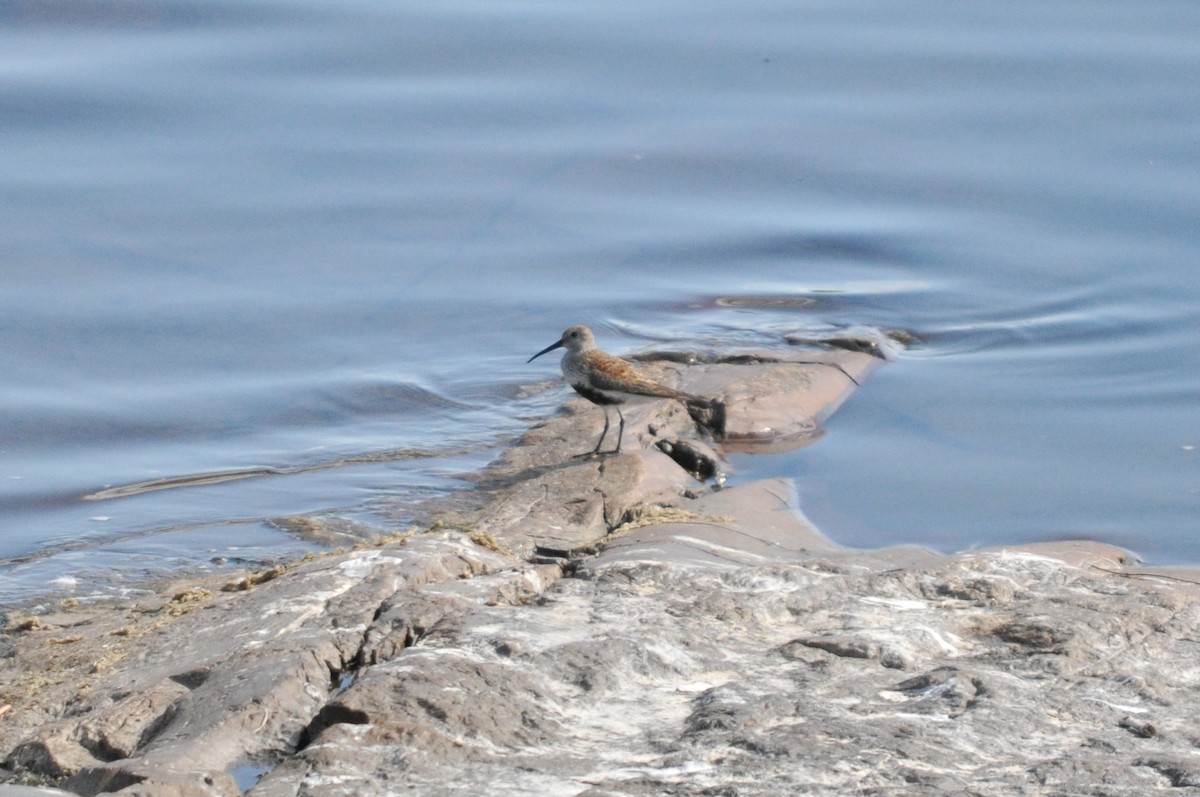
{"type": "Point", "coordinates": [608, 381]}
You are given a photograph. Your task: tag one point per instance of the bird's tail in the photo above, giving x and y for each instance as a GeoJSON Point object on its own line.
{"type": "Point", "coordinates": [707, 413]}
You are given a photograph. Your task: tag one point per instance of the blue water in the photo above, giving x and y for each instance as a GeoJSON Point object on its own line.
{"type": "Point", "coordinates": [296, 236]}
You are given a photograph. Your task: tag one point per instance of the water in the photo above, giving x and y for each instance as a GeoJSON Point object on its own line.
{"type": "Point", "coordinates": [324, 239]}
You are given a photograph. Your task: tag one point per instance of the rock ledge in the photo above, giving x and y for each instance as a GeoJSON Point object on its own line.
{"type": "Point", "coordinates": [615, 626]}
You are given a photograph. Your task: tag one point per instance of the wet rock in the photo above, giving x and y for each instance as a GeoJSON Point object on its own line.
{"type": "Point", "coordinates": [776, 403]}
{"type": "Point", "coordinates": [613, 626]}
{"type": "Point", "coordinates": [331, 531]}
{"type": "Point", "coordinates": [238, 676]}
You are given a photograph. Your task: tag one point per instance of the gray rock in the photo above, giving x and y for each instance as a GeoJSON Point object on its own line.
{"type": "Point", "coordinates": [613, 626]}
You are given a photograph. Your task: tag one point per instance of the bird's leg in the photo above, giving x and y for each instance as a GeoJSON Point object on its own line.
{"type": "Point", "coordinates": [596, 450]}
{"type": "Point", "coordinates": [620, 430]}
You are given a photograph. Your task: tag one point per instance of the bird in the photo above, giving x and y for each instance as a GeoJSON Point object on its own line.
{"type": "Point", "coordinates": [609, 381]}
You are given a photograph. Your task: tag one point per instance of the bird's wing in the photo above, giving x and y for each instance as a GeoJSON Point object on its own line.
{"type": "Point", "coordinates": [607, 372]}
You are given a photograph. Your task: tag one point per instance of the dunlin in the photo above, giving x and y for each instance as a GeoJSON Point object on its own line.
{"type": "Point", "coordinates": [609, 381]}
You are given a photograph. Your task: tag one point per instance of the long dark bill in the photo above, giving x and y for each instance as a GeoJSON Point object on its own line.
{"type": "Point", "coordinates": [551, 347]}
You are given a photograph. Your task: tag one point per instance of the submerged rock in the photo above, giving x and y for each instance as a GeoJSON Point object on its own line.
{"type": "Point", "coordinates": [614, 625]}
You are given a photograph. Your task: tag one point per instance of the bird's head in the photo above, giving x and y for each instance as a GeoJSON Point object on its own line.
{"type": "Point", "coordinates": [574, 339]}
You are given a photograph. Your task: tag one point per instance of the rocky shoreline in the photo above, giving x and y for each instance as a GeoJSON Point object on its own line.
{"type": "Point", "coordinates": [617, 626]}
